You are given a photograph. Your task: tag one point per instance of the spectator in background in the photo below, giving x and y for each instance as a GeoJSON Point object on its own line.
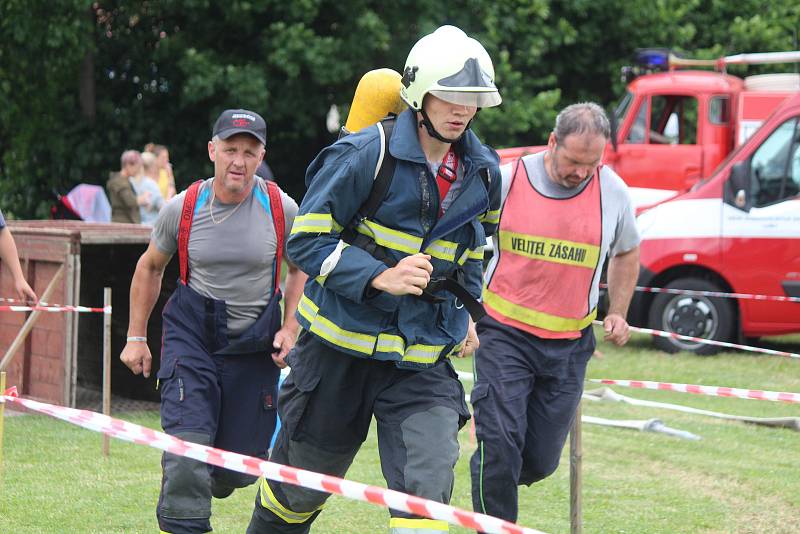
{"type": "Point", "coordinates": [9, 257]}
{"type": "Point", "coordinates": [147, 191]}
{"type": "Point", "coordinates": [124, 204]}
{"type": "Point", "coordinates": [165, 178]}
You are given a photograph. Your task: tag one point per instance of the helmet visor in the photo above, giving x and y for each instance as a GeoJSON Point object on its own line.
{"type": "Point", "coordinates": [482, 99]}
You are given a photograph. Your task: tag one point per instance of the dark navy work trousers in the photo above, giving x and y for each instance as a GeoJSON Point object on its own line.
{"type": "Point", "coordinates": [525, 396]}
{"type": "Point", "coordinates": [213, 392]}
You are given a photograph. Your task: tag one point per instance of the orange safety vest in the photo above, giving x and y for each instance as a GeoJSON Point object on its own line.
{"type": "Point", "coordinates": [549, 253]}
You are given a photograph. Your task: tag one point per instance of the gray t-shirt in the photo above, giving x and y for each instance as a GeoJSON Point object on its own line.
{"type": "Point", "coordinates": [231, 260]}
{"type": "Point", "coordinates": [620, 233]}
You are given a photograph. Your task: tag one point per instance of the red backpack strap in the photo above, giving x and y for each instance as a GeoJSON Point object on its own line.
{"type": "Point", "coordinates": [276, 207]}
{"type": "Point", "coordinates": [185, 228]}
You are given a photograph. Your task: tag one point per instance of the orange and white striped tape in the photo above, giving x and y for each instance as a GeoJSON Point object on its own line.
{"type": "Point", "coordinates": [254, 466]}
{"type": "Point", "coordinates": [76, 309]}
{"type": "Point", "coordinates": [714, 391]}
{"type": "Point", "coordinates": [718, 294]}
{"type": "Point", "coordinates": [706, 341]}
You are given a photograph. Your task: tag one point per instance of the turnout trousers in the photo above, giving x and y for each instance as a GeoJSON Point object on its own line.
{"type": "Point", "coordinates": [525, 396]}
{"type": "Point", "coordinates": [214, 392]}
{"type": "Point", "coordinates": [326, 406]}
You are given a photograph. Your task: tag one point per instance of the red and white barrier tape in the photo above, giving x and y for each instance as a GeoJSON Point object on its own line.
{"type": "Point", "coordinates": [726, 344]}
{"type": "Point", "coordinates": [77, 309]}
{"type": "Point", "coordinates": [697, 293]}
{"type": "Point", "coordinates": [714, 391]}
{"type": "Point", "coordinates": [254, 466]}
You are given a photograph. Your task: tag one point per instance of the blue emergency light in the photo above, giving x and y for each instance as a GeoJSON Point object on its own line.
{"type": "Point", "coordinates": [646, 61]}
{"type": "Point", "coordinates": [652, 59]}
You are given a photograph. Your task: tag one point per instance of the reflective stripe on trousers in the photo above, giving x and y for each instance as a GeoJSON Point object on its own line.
{"type": "Point", "coordinates": [401, 525]}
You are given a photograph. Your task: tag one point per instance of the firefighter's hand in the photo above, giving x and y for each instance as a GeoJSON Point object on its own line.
{"type": "Point", "coordinates": [617, 330]}
{"type": "Point", "coordinates": [471, 342]}
{"type": "Point", "coordinates": [136, 355]}
{"type": "Point", "coordinates": [282, 343]}
{"type": "Point", "coordinates": [409, 277]}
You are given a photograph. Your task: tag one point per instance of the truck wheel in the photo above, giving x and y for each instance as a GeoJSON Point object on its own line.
{"type": "Point", "coordinates": [689, 315]}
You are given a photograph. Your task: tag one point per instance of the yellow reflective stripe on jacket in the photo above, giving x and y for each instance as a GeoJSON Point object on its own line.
{"type": "Point", "coordinates": [549, 249]}
{"type": "Point", "coordinates": [366, 343]}
{"type": "Point", "coordinates": [402, 525]}
{"type": "Point", "coordinates": [315, 223]}
{"type": "Point", "coordinates": [444, 250]}
{"type": "Point", "coordinates": [422, 353]}
{"type": "Point", "coordinates": [536, 318]}
{"type": "Point", "coordinates": [390, 238]}
{"type": "Point", "coordinates": [390, 343]}
{"type": "Point", "coordinates": [269, 502]}
{"type": "Point", "coordinates": [307, 309]}
{"type": "Point", "coordinates": [490, 217]}
{"type": "Point", "coordinates": [330, 331]}
{"type": "Point", "coordinates": [471, 254]}
{"type": "Point", "coordinates": [476, 253]}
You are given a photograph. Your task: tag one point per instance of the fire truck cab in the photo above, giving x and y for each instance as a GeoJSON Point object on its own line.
{"type": "Point", "coordinates": [674, 127]}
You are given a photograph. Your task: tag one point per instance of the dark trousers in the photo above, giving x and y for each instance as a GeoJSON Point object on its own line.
{"type": "Point", "coordinates": [326, 405]}
{"type": "Point", "coordinates": [525, 396]}
{"type": "Point", "coordinates": [215, 393]}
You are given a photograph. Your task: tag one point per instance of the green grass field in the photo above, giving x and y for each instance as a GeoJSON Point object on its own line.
{"type": "Point", "coordinates": [738, 478]}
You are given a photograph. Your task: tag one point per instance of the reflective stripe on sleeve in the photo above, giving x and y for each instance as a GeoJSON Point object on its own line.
{"type": "Point", "coordinates": [315, 223]}
{"type": "Point", "coordinates": [307, 309]}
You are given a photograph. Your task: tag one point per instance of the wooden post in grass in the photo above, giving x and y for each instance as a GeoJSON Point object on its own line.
{"type": "Point", "coordinates": [575, 481]}
{"type": "Point", "coordinates": [2, 418]}
{"type": "Point", "coordinates": [106, 363]}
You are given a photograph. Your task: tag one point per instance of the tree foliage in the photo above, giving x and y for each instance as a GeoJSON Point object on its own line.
{"type": "Point", "coordinates": [162, 71]}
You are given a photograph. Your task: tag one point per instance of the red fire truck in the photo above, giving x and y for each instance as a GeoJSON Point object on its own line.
{"type": "Point", "coordinates": [713, 162]}
{"type": "Point", "coordinates": [674, 127]}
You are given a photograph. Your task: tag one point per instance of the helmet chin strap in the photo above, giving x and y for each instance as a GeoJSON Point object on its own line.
{"type": "Point", "coordinates": [426, 121]}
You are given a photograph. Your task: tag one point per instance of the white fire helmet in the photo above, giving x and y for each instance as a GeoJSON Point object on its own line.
{"type": "Point", "coordinates": [452, 66]}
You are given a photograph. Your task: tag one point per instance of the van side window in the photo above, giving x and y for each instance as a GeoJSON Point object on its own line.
{"type": "Point", "coordinates": [775, 165]}
{"type": "Point", "coordinates": [673, 120]}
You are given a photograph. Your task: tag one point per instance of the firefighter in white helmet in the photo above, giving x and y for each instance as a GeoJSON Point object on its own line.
{"type": "Point", "coordinates": [393, 281]}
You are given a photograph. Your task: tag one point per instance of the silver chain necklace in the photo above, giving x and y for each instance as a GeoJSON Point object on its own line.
{"type": "Point", "coordinates": [211, 207]}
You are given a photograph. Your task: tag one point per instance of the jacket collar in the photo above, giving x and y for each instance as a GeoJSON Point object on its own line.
{"type": "Point", "coordinates": [404, 144]}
